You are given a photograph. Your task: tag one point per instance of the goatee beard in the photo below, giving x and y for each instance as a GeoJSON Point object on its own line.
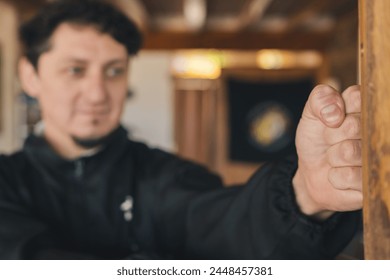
{"type": "Point", "coordinates": [90, 143]}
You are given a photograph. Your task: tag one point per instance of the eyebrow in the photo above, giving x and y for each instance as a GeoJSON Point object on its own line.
{"type": "Point", "coordinates": [109, 63]}
{"type": "Point", "coordinates": [116, 61]}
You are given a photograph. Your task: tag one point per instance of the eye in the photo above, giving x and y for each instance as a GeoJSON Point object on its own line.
{"type": "Point", "coordinates": [76, 70]}
{"type": "Point", "coordinates": [114, 72]}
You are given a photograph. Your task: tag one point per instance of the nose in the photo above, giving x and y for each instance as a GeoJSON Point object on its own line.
{"type": "Point", "coordinates": [96, 88]}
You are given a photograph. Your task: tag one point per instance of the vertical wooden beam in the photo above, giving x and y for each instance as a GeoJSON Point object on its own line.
{"type": "Point", "coordinates": [10, 116]}
{"type": "Point", "coordinates": [195, 119]}
{"type": "Point", "coordinates": [374, 23]}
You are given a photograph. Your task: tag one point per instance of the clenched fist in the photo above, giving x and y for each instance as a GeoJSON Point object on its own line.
{"type": "Point", "coordinates": [328, 141]}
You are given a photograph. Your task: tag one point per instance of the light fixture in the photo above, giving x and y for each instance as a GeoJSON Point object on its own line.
{"type": "Point", "coordinates": [197, 65]}
{"type": "Point", "coordinates": [283, 59]}
{"type": "Point", "coordinates": [195, 13]}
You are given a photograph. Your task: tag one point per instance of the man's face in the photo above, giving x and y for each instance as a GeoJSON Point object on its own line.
{"type": "Point", "coordinates": [82, 83]}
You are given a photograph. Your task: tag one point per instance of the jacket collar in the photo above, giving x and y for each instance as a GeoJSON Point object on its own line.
{"type": "Point", "coordinates": [41, 153]}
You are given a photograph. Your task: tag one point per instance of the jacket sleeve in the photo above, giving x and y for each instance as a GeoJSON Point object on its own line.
{"type": "Point", "coordinates": [260, 220]}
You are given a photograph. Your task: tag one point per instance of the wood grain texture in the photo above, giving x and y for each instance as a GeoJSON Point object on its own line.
{"type": "Point", "coordinates": [374, 23]}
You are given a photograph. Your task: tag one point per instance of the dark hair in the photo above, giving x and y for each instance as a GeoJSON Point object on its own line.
{"type": "Point", "coordinates": [35, 34]}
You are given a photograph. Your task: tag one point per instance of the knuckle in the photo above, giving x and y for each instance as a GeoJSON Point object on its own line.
{"type": "Point", "coordinates": [356, 99]}
{"type": "Point", "coordinates": [343, 177]}
{"type": "Point", "coordinates": [352, 90]}
{"type": "Point", "coordinates": [352, 127]}
{"type": "Point", "coordinates": [349, 175]}
{"type": "Point", "coordinates": [357, 103]}
{"type": "Point", "coordinates": [352, 176]}
{"type": "Point", "coordinates": [352, 95]}
{"type": "Point", "coordinates": [350, 150]}
{"type": "Point", "coordinates": [347, 150]}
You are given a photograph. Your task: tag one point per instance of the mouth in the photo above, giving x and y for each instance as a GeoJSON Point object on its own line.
{"type": "Point", "coordinates": [93, 113]}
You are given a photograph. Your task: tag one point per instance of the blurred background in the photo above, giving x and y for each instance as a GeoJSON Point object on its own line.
{"type": "Point", "coordinates": [220, 82]}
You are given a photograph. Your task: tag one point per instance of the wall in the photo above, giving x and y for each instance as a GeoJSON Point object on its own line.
{"type": "Point", "coordinates": [343, 52]}
{"type": "Point", "coordinates": [9, 128]}
{"type": "Point", "coordinates": [149, 112]}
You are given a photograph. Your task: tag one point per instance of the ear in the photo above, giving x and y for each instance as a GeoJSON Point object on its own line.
{"type": "Point", "coordinates": [28, 77]}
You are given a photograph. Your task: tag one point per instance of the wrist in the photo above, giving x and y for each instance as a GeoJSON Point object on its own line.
{"type": "Point", "coordinates": [306, 204]}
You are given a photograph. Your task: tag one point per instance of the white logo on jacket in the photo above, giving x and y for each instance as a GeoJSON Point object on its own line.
{"type": "Point", "coordinates": [127, 208]}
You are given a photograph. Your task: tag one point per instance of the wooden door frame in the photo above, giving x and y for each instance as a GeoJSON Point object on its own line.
{"type": "Point", "coordinates": [374, 23]}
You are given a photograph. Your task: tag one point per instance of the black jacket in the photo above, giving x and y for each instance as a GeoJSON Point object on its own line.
{"type": "Point", "coordinates": [130, 201]}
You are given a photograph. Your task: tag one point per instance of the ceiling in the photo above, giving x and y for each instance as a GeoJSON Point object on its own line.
{"type": "Point", "coordinates": [234, 24]}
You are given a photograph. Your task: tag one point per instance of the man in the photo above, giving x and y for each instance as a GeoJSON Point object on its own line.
{"type": "Point", "coordinates": [82, 190]}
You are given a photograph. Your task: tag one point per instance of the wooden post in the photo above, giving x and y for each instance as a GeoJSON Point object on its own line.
{"type": "Point", "coordinates": [374, 23]}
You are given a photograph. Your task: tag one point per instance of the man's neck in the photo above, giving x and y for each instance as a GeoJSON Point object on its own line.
{"type": "Point", "coordinates": [69, 149]}
{"type": "Point", "coordinates": [65, 146]}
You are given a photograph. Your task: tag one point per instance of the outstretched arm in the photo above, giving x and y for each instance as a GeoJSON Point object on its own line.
{"type": "Point", "coordinates": [273, 218]}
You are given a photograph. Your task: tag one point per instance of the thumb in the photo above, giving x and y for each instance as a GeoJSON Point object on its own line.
{"type": "Point", "coordinates": [325, 104]}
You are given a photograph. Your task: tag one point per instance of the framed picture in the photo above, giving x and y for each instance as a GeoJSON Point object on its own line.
{"type": "Point", "coordinates": [264, 116]}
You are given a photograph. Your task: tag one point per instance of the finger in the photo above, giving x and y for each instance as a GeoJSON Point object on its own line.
{"type": "Point", "coordinates": [349, 200]}
{"type": "Point", "coordinates": [346, 178]}
{"type": "Point", "coordinates": [345, 153]}
{"type": "Point", "coordinates": [352, 99]}
{"type": "Point", "coordinates": [325, 104]}
{"type": "Point", "coordinates": [349, 129]}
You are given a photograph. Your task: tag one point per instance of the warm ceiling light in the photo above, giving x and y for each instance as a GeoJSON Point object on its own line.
{"type": "Point", "coordinates": [278, 59]}
{"type": "Point", "coordinates": [195, 13]}
{"type": "Point", "coordinates": [270, 59]}
{"type": "Point", "coordinates": [201, 65]}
